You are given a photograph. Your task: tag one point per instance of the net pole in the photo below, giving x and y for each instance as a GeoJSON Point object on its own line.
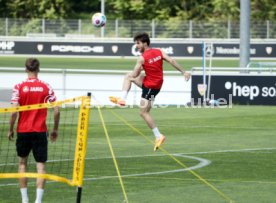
{"type": "Point", "coordinates": [79, 190]}
{"type": "Point", "coordinates": [81, 145]}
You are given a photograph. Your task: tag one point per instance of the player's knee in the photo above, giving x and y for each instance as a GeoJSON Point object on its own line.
{"type": "Point", "coordinates": [128, 76]}
{"type": "Point", "coordinates": [143, 114]}
{"type": "Point", "coordinates": [40, 168]}
{"type": "Point", "coordinates": [22, 166]}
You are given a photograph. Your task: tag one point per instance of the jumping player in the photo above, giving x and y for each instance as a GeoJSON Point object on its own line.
{"type": "Point", "coordinates": [151, 61]}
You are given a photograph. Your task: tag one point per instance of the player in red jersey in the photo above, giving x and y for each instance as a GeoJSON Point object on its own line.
{"type": "Point", "coordinates": [151, 61]}
{"type": "Point", "coordinates": [31, 129]}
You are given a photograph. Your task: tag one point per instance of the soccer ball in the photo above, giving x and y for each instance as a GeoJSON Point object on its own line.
{"type": "Point", "coordinates": [98, 20]}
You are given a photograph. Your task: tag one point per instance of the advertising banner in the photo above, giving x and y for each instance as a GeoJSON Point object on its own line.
{"type": "Point", "coordinates": [239, 89]}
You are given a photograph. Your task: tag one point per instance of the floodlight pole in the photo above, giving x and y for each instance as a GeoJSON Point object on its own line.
{"type": "Point", "coordinates": [102, 11]}
{"type": "Point", "coordinates": [244, 32]}
{"type": "Point", "coordinates": [204, 69]}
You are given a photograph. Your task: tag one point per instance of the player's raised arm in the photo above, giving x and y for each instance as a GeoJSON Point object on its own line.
{"type": "Point", "coordinates": [176, 65]}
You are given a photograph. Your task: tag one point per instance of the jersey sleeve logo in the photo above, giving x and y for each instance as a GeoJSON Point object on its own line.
{"type": "Point", "coordinates": [49, 99]}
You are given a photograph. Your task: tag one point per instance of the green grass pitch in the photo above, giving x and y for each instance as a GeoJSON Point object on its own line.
{"type": "Point", "coordinates": [237, 143]}
{"type": "Point", "coordinates": [233, 150]}
{"type": "Point", "coordinates": [109, 63]}
{"type": "Point", "coordinates": [104, 63]}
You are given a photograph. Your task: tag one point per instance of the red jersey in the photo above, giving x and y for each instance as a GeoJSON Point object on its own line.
{"type": "Point", "coordinates": [153, 66]}
{"type": "Point", "coordinates": [32, 91]}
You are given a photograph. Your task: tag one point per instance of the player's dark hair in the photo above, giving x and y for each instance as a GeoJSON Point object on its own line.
{"type": "Point", "coordinates": [32, 64]}
{"type": "Point", "coordinates": [143, 37]}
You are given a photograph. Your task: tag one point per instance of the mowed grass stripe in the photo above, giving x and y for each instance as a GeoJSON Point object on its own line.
{"type": "Point", "coordinates": [175, 159]}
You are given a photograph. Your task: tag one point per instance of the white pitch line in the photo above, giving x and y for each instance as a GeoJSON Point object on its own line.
{"type": "Point", "coordinates": [233, 150]}
{"type": "Point", "coordinates": [155, 155]}
{"type": "Point", "coordinates": [202, 162]}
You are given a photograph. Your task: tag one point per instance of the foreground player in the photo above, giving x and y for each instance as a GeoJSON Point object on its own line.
{"type": "Point", "coordinates": [151, 62]}
{"type": "Point", "coordinates": [31, 128]}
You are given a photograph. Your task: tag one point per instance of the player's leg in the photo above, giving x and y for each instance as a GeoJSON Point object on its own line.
{"type": "Point", "coordinates": [136, 80]}
{"type": "Point", "coordinates": [145, 107]}
{"type": "Point", "coordinates": [22, 168]}
{"type": "Point", "coordinates": [40, 152]}
{"type": "Point", "coordinates": [40, 167]}
{"type": "Point", "coordinates": [40, 182]}
{"type": "Point", "coordinates": [128, 80]}
{"type": "Point", "coordinates": [23, 148]}
{"type": "Point", "coordinates": [147, 99]}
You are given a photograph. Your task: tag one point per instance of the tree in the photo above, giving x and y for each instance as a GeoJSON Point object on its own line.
{"type": "Point", "coordinates": [3, 8]}
{"type": "Point", "coordinates": [141, 9]}
{"type": "Point", "coordinates": [49, 9]}
{"type": "Point", "coordinates": [79, 9]}
{"type": "Point", "coordinates": [225, 9]}
{"type": "Point", "coordinates": [263, 10]}
{"type": "Point", "coordinates": [204, 10]}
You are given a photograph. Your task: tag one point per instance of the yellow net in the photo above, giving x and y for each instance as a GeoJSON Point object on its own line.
{"type": "Point", "coordinates": [66, 156]}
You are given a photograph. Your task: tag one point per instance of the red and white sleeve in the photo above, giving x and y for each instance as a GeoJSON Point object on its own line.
{"type": "Point", "coordinates": [15, 95]}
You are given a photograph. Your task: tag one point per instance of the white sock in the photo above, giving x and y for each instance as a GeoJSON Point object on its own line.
{"type": "Point", "coordinates": [124, 94]}
{"type": "Point", "coordinates": [39, 195]}
{"type": "Point", "coordinates": [24, 195]}
{"type": "Point", "coordinates": [156, 133]}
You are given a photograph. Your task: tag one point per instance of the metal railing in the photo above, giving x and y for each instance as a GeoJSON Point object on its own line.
{"type": "Point", "coordinates": [235, 70]}
{"type": "Point", "coordinates": [127, 28]}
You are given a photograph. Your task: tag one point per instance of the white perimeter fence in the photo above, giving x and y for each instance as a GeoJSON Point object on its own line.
{"type": "Point", "coordinates": [69, 83]}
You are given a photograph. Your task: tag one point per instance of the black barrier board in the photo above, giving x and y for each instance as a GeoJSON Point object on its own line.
{"type": "Point", "coordinates": [262, 50]}
{"type": "Point", "coordinates": [94, 49]}
{"type": "Point", "coordinates": [243, 89]}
